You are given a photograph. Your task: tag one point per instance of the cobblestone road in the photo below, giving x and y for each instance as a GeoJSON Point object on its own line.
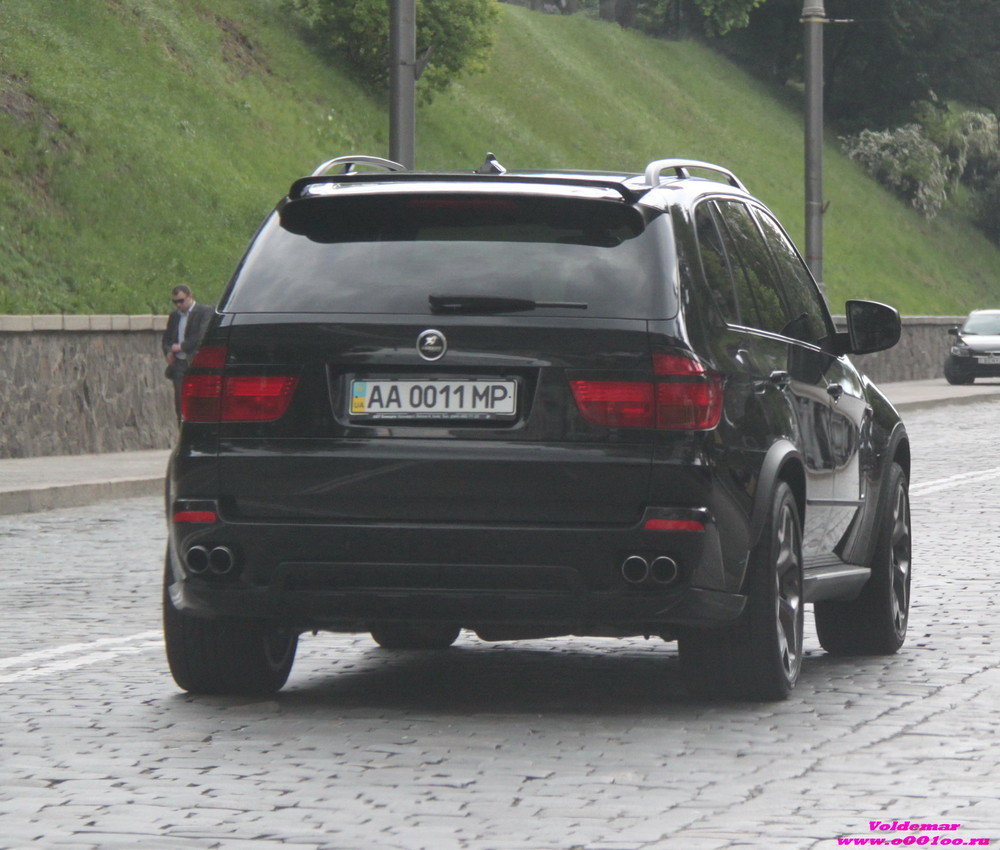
{"type": "Point", "coordinates": [537, 745]}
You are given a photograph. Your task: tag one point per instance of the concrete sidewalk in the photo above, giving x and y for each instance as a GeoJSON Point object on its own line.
{"type": "Point", "coordinates": [67, 481]}
{"type": "Point", "coordinates": [44, 483]}
{"type": "Point", "coordinates": [913, 395]}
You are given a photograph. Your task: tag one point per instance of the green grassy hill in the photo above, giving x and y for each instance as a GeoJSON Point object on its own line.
{"type": "Point", "coordinates": [141, 142]}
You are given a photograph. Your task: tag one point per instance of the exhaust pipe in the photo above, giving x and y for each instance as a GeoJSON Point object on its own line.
{"type": "Point", "coordinates": [197, 558]}
{"type": "Point", "coordinates": [664, 570]}
{"type": "Point", "coordinates": [635, 569]}
{"type": "Point", "coordinates": [661, 570]}
{"type": "Point", "coordinates": [221, 560]}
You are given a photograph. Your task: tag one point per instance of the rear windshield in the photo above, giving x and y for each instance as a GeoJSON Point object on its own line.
{"type": "Point", "coordinates": [390, 254]}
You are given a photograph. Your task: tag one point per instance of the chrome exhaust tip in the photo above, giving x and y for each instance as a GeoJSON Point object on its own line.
{"type": "Point", "coordinates": [635, 569]}
{"type": "Point", "coordinates": [221, 560]}
{"type": "Point", "coordinates": [664, 570]}
{"type": "Point", "coordinates": [197, 559]}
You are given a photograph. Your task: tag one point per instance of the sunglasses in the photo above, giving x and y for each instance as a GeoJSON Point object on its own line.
{"type": "Point", "coordinates": [180, 300]}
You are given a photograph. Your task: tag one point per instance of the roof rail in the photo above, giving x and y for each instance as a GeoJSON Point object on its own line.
{"type": "Point", "coordinates": [348, 162]}
{"type": "Point", "coordinates": [680, 168]}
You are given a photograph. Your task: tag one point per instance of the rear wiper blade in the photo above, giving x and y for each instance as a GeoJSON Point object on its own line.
{"type": "Point", "coordinates": [493, 304]}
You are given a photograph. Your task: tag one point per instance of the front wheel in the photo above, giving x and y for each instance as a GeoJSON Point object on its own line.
{"type": "Point", "coordinates": [225, 656]}
{"type": "Point", "coordinates": [759, 657]}
{"type": "Point", "coordinates": [875, 623]}
{"type": "Point", "coordinates": [955, 374]}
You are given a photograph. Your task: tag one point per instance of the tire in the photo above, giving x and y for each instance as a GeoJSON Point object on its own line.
{"type": "Point", "coordinates": [875, 622]}
{"type": "Point", "coordinates": [759, 657]}
{"type": "Point", "coordinates": [415, 635]}
{"type": "Point", "coordinates": [225, 656]}
{"type": "Point", "coordinates": [954, 374]}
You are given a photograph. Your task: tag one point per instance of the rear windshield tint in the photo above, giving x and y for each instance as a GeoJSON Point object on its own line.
{"type": "Point", "coordinates": [389, 254]}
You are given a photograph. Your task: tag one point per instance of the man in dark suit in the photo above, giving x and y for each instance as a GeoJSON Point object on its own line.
{"type": "Point", "coordinates": [185, 327]}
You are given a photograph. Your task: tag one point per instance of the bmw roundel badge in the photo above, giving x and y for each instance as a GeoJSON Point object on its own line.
{"type": "Point", "coordinates": [431, 345]}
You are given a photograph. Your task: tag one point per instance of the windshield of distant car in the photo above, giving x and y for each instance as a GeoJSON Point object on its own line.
{"type": "Point", "coordinates": [987, 324]}
{"type": "Point", "coordinates": [380, 255]}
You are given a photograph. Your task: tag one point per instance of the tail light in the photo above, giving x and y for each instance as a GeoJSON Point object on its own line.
{"type": "Point", "coordinates": [672, 525]}
{"type": "Point", "coordinates": [256, 398]}
{"type": "Point", "coordinates": [196, 516]}
{"type": "Point", "coordinates": [211, 396]}
{"type": "Point", "coordinates": [615, 404]}
{"type": "Point", "coordinates": [683, 396]}
{"type": "Point", "coordinates": [688, 396]}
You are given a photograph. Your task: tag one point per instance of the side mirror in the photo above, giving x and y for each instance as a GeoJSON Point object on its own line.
{"type": "Point", "coordinates": [870, 327]}
{"type": "Point", "coordinates": [953, 331]}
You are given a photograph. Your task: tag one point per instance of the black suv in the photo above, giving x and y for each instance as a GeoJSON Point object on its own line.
{"type": "Point", "coordinates": [975, 351]}
{"type": "Point", "coordinates": [533, 404]}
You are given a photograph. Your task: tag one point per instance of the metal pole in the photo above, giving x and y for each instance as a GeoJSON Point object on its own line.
{"type": "Point", "coordinates": [403, 81]}
{"type": "Point", "coordinates": [813, 19]}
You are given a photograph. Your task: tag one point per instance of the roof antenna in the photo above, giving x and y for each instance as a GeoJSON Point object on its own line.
{"type": "Point", "coordinates": [491, 166]}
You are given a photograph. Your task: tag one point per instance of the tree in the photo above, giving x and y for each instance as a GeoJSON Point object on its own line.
{"type": "Point", "coordinates": [665, 17]}
{"type": "Point", "coordinates": [770, 46]}
{"type": "Point", "coordinates": [882, 56]}
{"type": "Point", "coordinates": [459, 34]}
{"type": "Point", "coordinates": [726, 15]}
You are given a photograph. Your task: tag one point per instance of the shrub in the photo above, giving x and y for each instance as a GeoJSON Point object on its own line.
{"type": "Point", "coordinates": [968, 141]}
{"type": "Point", "coordinates": [982, 165]}
{"type": "Point", "coordinates": [459, 33]}
{"type": "Point", "coordinates": [905, 161]}
{"type": "Point", "coordinates": [987, 210]}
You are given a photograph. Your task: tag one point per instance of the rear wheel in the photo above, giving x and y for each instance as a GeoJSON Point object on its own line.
{"type": "Point", "coordinates": [415, 635]}
{"type": "Point", "coordinates": [875, 623]}
{"type": "Point", "coordinates": [225, 656]}
{"type": "Point", "coordinates": [759, 657]}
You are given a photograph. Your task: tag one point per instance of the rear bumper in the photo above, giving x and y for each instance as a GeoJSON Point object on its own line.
{"type": "Point", "coordinates": [486, 612]}
{"type": "Point", "coordinates": [554, 580]}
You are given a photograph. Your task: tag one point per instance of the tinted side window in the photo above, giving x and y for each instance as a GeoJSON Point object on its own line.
{"type": "Point", "coordinates": [715, 265]}
{"type": "Point", "coordinates": [753, 270]}
{"type": "Point", "coordinates": [807, 320]}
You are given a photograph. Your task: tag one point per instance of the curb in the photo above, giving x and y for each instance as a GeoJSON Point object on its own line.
{"type": "Point", "coordinates": [36, 499]}
{"type": "Point", "coordinates": [906, 406]}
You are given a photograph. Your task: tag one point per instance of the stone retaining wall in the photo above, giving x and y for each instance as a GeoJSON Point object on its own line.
{"type": "Point", "coordinates": [90, 384]}
{"type": "Point", "coordinates": [82, 385]}
{"type": "Point", "coordinates": [919, 354]}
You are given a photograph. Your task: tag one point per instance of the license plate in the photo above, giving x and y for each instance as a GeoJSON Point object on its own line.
{"type": "Point", "coordinates": [442, 399]}
{"type": "Point", "coordinates": [989, 359]}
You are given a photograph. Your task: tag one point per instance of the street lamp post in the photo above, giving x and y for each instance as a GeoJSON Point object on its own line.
{"type": "Point", "coordinates": [403, 81]}
{"type": "Point", "coordinates": [813, 19]}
